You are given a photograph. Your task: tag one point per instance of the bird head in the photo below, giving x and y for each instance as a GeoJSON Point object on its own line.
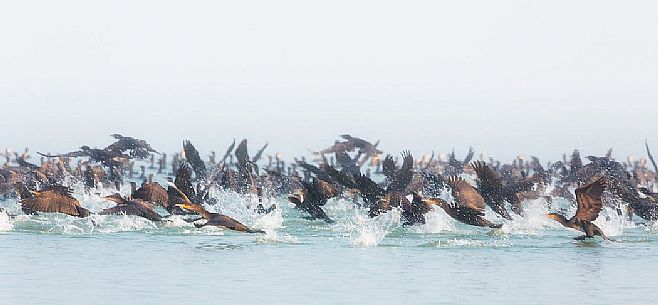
{"type": "Point", "coordinates": [192, 207]}
{"type": "Point", "coordinates": [557, 217]}
{"type": "Point", "coordinates": [434, 201]}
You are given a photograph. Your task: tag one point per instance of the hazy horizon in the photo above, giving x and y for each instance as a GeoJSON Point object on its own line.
{"type": "Point", "coordinates": [508, 78]}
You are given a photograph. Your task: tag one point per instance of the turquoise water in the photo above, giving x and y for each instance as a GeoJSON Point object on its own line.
{"type": "Point", "coordinates": [56, 259]}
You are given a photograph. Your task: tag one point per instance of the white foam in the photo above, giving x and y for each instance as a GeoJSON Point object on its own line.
{"type": "Point", "coordinates": [6, 223]}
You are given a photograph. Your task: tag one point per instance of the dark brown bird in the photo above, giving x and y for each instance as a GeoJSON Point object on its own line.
{"type": "Point", "coordinates": [138, 148]}
{"type": "Point", "coordinates": [590, 204]}
{"type": "Point", "coordinates": [456, 167]}
{"type": "Point", "coordinates": [496, 192]}
{"type": "Point", "coordinates": [192, 156]}
{"type": "Point", "coordinates": [51, 199]}
{"type": "Point", "coordinates": [136, 207]}
{"type": "Point", "coordinates": [153, 192]}
{"type": "Point", "coordinates": [469, 204]}
{"type": "Point", "coordinates": [312, 196]}
{"type": "Point", "coordinates": [380, 200]}
{"type": "Point", "coordinates": [110, 159]}
{"type": "Point", "coordinates": [367, 149]}
{"type": "Point", "coordinates": [216, 219]}
{"type": "Point", "coordinates": [414, 212]}
{"type": "Point", "coordinates": [465, 194]}
{"type": "Point", "coordinates": [213, 219]}
{"type": "Point", "coordinates": [463, 213]}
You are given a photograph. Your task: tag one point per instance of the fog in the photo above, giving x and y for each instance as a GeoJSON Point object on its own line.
{"type": "Point", "coordinates": [506, 77]}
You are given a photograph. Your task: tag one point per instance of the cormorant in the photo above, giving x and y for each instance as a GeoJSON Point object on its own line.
{"type": "Point", "coordinates": [590, 204]}
{"type": "Point", "coordinates": [312, 196]}
{"type": "Point", "coordinates": [51, 199]}
{"type": "Point", "coordinates": [137, 207]}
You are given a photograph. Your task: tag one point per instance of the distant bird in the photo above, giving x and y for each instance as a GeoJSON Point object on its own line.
{"type": "Point", "coordinates": [110, 159]}
{"type": "Point", "coordinates": [51, 199]}
{"type": "Point", "coordinates": [456, 167]}
{"type": "Point", "coordinates": [653, 162]}
{"type": "Point", "coordinates": [192, 156]}
{"type": "Point", "coordinates": [245, 169]}
{"type": "Point", "coordinates": [590, 204]}
{"type": "Point", "coordinates": [367, 149]}
{"type": "Point", "coordinates": [138, 148]}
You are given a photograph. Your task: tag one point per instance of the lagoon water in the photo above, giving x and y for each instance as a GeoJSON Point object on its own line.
{"type": "Point", "coordinates": [57, 259]}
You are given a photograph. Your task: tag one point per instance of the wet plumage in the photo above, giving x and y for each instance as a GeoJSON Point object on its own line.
{"type": "Point", "coordinates": [590, 204]}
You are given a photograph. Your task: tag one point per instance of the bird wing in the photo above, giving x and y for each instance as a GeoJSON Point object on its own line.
{"type": "Point", "coordinates": [136, 208]}
{"type": "Point", "coordinates": [403, 176]}
{"type": "Point", "coordinates": [153, 192]}
{"type": "Point", "coordinates": [589, 200]}
{"type": "Point", "coordinates": [655, 167]}
{"type": "Point", "coordinates": [228, 222]}
{"type": "Point", "coordinates": [259, 153]}
{"type": "Point", "coordinates": [344, 160]}
{"type": "Point", "coordinates": [73, 154]}
{"type": "Point", "coordinates": [51, 201]}
{"type": "Point", "coordinates": [469, 156]}
{"type": "Point", "coordinates": [176, 196]}
{"type": "Point", "coordinates": [183, 181]}
{"type": "Point", "coordinates": [576, 161]}
{"type": "Point", "coordinates": [324, 189]}
{"type": "Point", "coordinates": [241, 154]}
{"type": "Point", "coordinates": [339, 177]}
{"type": "Point", "coordinates": [367, 186]}
{"type": "Point", "coordinates": [229, 150]}
{"type": "Point", "coordinates": [465, 194]}
{"type": "Point", "coordinates": [192, 156]}
{"type": "Point", "coordinates": [388, 166]}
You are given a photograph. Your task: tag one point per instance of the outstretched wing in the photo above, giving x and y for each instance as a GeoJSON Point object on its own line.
{"type": "Point", "coordinates": [229, 150]}
{"type": "Point", "coordinates": [153, 192]}
{"type": "Point", "coordinates": [465, 194]}
{"type": "Point", "coordinates": [469, 156]}
{"type": "Point", "coordinates": [73, 154]}
{"type": "Point", "coordinates": [589, 200]}
{"type": "Point", "coordinates": [388, 166]}
{"type": "Point", "coordinates": [192, 156]}
{"type": "Point", "coordinates": [403, 176]}
{"type": "Point", "coordinates": [51, 201]}
{"type": "Point", "coordinates": [241, 154]}
{"type": "Point", "coordinates": [259, 153]}
{"type": "Point", "coordinates": [183, 181]}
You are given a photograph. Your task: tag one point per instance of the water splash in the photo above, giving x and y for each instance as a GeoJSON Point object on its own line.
{"type": "Point", "coordinates": [533, 223]}
{"type": "Point", "coordinates": [365, 231]}
{"type": "Point", "coordinates": [436, 221]}
{"type": "Point", "coordinates": [6, 223]}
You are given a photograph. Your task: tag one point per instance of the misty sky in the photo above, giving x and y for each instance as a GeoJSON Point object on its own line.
{"type": "Point", "coordinates": [507, 77]}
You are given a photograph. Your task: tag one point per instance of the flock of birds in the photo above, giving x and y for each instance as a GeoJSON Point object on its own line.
{"type": "Point", "coordinates": [345, 169]}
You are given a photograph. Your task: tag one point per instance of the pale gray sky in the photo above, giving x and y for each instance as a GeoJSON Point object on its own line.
{"type": "Point", "coordinates": [508, 77]}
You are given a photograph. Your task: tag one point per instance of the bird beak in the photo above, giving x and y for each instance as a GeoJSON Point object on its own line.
{"type": "Point", "coordinates": [182, 205]}
{"type": "Point", "coordinates": [431, 201]}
